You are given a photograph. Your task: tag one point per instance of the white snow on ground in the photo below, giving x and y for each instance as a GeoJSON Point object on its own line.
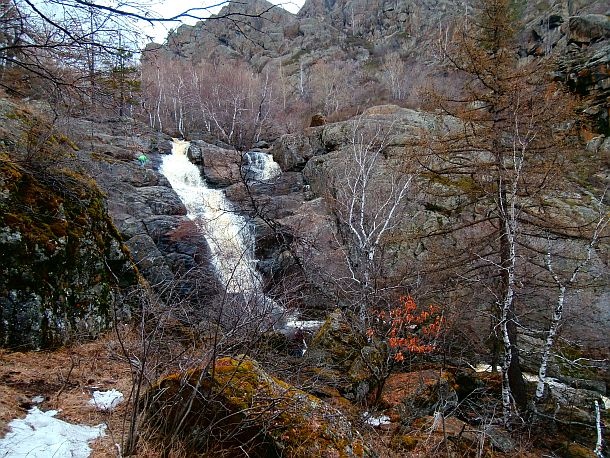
{"type": "Point", "coordinates": [106, 400]}
{"type": "Point", "coordinates": [39, 435]}
{"type": "Point", "coordinates": [376, 421]}
{"type": "Point", "coordinates": [530, 377]}
{"type": "Point", "coordinates": [482, 368]}
{"type": "Point", "coordinates": [305, 325]}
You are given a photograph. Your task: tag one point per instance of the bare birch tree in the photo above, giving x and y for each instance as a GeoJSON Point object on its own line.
{"type": "Point", "coordinates": [563, 284]}
{"type": "Point", "coordinates": [369, 201]}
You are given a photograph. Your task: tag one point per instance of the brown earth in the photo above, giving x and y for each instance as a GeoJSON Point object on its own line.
{"type": "Point", "coordinates": [66, 378]}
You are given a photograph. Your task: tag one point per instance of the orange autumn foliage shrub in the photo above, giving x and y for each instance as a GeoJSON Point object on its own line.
{"type": "Point", "coordinates": [408, 329]}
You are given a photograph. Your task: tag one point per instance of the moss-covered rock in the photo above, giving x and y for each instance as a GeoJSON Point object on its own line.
{"type": "Point", "coordinates": [62, 259]}
{"type": "Point", "coordinates": [236, 405]}
{"type": "Point", "coordinates": [345, 360]}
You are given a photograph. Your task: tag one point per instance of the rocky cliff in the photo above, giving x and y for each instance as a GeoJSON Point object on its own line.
{"type": "Point", "coordinates": [65, 272]}
{"type": "Point", "coordinates": [371, 44]}
{"type": "Point", "coordinates": [435, 205]}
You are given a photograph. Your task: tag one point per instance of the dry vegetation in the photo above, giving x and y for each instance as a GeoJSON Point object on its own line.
{"type": "Point", "coordinates": [66, 378]}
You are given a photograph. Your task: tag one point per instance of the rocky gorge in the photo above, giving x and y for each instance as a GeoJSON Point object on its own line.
{"type": "Point", "coordinates": [93, 240]}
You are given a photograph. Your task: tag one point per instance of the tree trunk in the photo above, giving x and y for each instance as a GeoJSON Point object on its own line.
{"type": "Point", "coordinates": [515, 376]}
{"type": "Point", "coordinates": [513, 386]}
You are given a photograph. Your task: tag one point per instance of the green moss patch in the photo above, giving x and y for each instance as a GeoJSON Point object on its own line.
{"type": "Point", "coordinates": [237, 404]}
{"type": "Point", "coordinates": [61, 255]}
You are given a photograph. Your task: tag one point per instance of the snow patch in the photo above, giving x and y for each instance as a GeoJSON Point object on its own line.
{"type": "Point", "coordinates": [106, 400]}
{"type": "Point", "coordinates": [530, 377]}
{"type": "Point", "coordinates": [482, 368]}
{"type": "Point", "coordinates": [376, 421]}
{"type": "Point", "coordinates": [38, 399]}
{"type": "Point", "coordinates": [39, 435]}
{"type": "Point", "coordinates": [304, 325]}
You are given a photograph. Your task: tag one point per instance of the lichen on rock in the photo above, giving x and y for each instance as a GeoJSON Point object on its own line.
{"type": "Point", "coordinates": [62, 259]}
{"type": "Point", "coordinates": [344, 359]}
{"type": "Point", "coordinates": [235, 403]}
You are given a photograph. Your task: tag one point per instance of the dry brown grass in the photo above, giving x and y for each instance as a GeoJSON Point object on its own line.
{"type": "Point", "coordinates": [66, 378]}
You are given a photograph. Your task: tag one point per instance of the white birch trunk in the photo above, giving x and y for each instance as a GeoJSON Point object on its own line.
{"type": "Point", "coordinates": [558, 310]}
{"type": "Point", "coordinates": [507, 304]}
{"type": "Point", "coordinates": [599, 444]}
{"type": "Point", "coordinates": [549, 342]}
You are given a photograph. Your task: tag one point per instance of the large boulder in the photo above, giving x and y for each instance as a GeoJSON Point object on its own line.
{"type": "Point", "coordinates": [62, 259]}
{"type": "Point", "coordinates": [64, 271]}
{"type": "Point", "coordinates": [588, 28]}
{"type": "Point", "coordinates": [345, 360]}
{"type": "Point", "coordinates": [292, 151]}
{"type": "Point", "coordinates": [220, 167]}
{"type": "Point", "coordinates": [236, 405]}
{"type": "Point", "coordinates": [573, 407]}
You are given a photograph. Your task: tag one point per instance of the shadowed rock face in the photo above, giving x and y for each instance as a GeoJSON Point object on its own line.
{"type": "Point", "coordinates": [166, 246]}
{"type": "Point", "coordinates": [238, 405]}
{"type": "Point", "coordinates": [64, 272]}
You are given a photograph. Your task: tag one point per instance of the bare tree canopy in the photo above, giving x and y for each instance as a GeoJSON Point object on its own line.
{"type": "Point", "coordinates": [65, 42]}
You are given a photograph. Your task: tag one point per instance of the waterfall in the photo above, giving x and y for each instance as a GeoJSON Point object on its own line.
{"type": "Point", "coordinates": [231, 238]}
{"type": "Point", "coordinates": [260, 166]}
{"type": "Point", "coordinates": [229, 235]}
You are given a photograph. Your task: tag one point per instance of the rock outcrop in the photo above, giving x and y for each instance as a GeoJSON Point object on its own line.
{"type": "Point", "coordinates": [219, 166]}
{"type": "Point", "coordinates": [236, 405]}
{"type": "Point", "coordinates": [259, 31]}
{"type": "Point", "coordinates": [581, 41]}
{"type": "Point", "coordinates": [64, 271]}
{"type": "Point", "coordinates": [166, 246]}
{"type": "Point", "coordinates": [433, 205]}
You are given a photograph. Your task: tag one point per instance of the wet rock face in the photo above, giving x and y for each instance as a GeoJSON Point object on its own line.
{"type": "Point", "coordinates": [238, 406]}
{"type": "Point", "coordinates": [166, 246]}
{"type": "Point", "coordinates": [219, 166]}
{"type": "Point", "coordinates": [62, 263]}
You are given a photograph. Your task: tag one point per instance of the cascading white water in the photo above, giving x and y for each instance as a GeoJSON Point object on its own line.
{"type": "Point", "coordinates": [260, 166]}
{"type": "Point", "coordinates": [230, 237]}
